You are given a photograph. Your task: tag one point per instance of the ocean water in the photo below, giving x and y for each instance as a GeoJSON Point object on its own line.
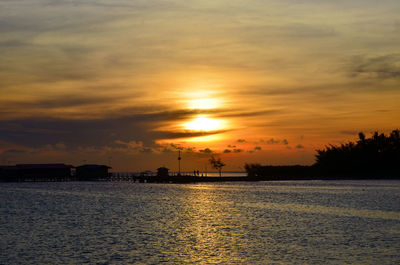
{"type": "Point", "coordinates": [302, 222]}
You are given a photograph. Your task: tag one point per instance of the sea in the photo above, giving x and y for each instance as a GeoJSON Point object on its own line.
{"type": "Point", "coordinates": [281, 222]}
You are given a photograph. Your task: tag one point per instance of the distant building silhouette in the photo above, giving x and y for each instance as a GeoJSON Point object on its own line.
{"type": "Point", "coordinates": [8, 173]}
{"type": "Point", "coordinates": [39, 172]}
{"type": "Point", "coordinates": [162, 172]}
{"type": "Point", "coordinates": [92, 172]}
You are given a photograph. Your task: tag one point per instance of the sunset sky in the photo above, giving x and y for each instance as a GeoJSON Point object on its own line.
{"type": "Point", "coordinates": [127, 82]}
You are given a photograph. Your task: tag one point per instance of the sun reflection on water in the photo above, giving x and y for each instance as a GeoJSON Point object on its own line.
{"type": "Point", "coordinates": [208, 228]}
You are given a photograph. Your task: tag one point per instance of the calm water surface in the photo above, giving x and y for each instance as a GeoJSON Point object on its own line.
{"type": "Point", "coordinates": [305, 222]}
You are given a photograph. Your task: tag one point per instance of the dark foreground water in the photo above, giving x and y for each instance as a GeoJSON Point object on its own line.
{"type": "Point", "coordinates": [303, 222]}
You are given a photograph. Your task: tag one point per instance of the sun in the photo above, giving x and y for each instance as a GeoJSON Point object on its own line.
{"type": "Point", "coordinates": [203, 123]}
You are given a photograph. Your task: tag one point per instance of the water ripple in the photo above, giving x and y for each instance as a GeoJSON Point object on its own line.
{"type": "Point", "coordinates": [217, 223]}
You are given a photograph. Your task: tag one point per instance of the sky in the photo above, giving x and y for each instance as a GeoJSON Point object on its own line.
{"type": "Point", "coordinates": [128, 83]}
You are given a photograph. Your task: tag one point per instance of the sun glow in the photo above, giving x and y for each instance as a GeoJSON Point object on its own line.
{"type": "Point", "coordinates": [205, 139]}
{"type": "Point", "coordinates": [203, 103]}
{"type": "Point", "coordinates": [202, 99]}
{"type": "Point", "coordinates": [203, 123]}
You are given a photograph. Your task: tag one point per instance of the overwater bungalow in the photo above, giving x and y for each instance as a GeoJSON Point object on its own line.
{"type": "Point", "coordinates": [92, 172]}
{"type": "Point", "coordinates": [162, 172]}
{"type": "Point", "coordinates": [43, 172]}
{"type": "Point", "coordinates": [8, 173]}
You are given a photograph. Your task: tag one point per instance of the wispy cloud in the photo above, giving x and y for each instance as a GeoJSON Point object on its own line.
{"type": "Point", "coordinates": [113, 76]}
{"type": "Point", "coordinates": [381, 67]}
{"type": "Point", "coordinates": [206, 151]}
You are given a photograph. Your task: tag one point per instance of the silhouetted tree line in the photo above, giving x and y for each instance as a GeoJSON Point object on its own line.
{"type": "Point", "coordinates": [374, 157]}
{"type": "Point", "coordinates": [378, 156]}
{"type": "Point", "coordinates": [259, 172]}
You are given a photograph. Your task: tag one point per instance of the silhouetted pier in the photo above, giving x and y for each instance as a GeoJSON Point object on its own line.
{"type": "Point", "coordinates": [150, 178]}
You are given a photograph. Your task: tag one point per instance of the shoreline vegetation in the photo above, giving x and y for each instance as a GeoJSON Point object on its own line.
{"type": "Point", "coordinates": [377, 157]}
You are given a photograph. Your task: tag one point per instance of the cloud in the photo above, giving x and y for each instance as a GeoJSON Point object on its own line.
{"type": "Point", "coordinates": [300, 30]}
{"type": "Point", "coordinates": [256, 149]}
{"type": "Point", "coordinates": [36, 132]}
{"type": "Point", "coordinates": [47, 150]}
{"type": "Point", "coordinates": [206, 151]}
{"type": "Point", "coordinates": [13, 151]}
{"type": "Point", "coordinates": [135, 124]}
{"type": "Point", "coordinates": [71, 70]}
{"type": "Point", "coordinates": [186, 134]}
{"type": "Point", "coordinates": [299, 146]}
{"type": "Point", "coordinates": [135, 147]}
{"type": "Point", "coordinates": [241, 113]}
{"type": "Point", "coordinates": [73, 100]}
{"type": "Point", "coordinates": [60, 146]}
{"type": "Point", "coordinates": [131, 144]}
{"type": "Point", "coordinates": [146, 150]}
{"type": "Point", "coordinates": [236, 150]}
{"type": "Point", "coordinates": [272, 141]}
{"type": "Point", "coordinates": [11, 43]}
{"type": "Point", "coordinates": [241, 141]}
{"type": "Point", "coordinates": [380, 67]}
{"type": "Point", "coordinates": [286, 32]}
{"type": "Point", "coordinates": [172, 147]}
{"type": "Point", "coordinates": [176, 146]}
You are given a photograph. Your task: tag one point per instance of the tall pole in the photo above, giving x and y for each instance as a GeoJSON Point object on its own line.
{"type": "Point", "coordinates": [179, 162]}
